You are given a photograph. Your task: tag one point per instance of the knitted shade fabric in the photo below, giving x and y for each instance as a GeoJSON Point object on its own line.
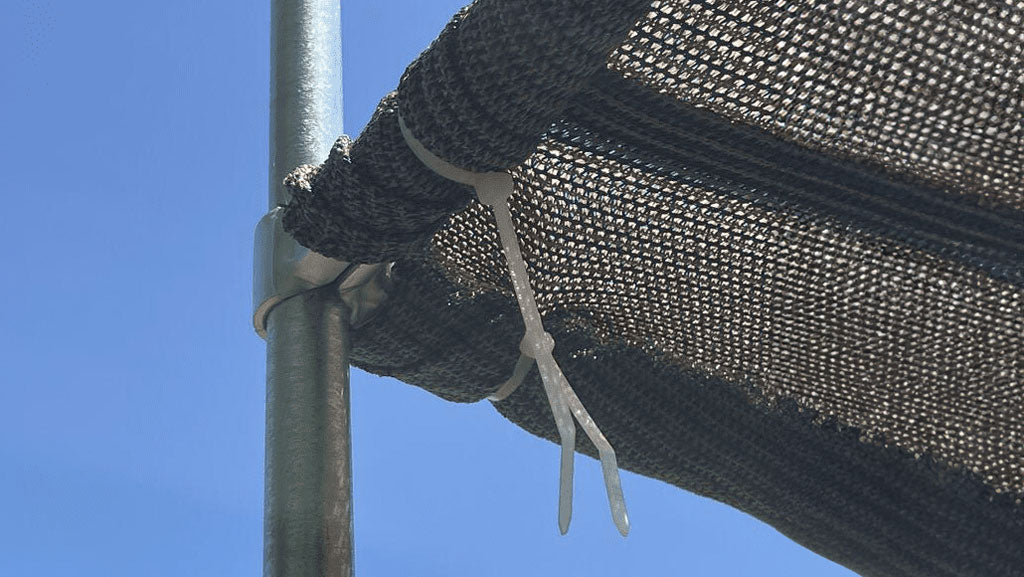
{"type": "Point", "coordinates": [780, 246]}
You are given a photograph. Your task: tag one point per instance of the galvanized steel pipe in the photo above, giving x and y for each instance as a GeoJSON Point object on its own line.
{"type": "Point", "coordinates": [305, 86]}
{"type": "Point", "coordinates": [308, 503]}
{"type": "Point", "coordinates": [308, 506]}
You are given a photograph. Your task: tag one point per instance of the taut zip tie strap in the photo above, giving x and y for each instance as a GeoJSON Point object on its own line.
{"type": "Point", "coordinates": [494, 189]}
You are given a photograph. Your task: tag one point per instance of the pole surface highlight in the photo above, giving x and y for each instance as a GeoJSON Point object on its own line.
{"type": "Point", "coordinates": [305, 86]}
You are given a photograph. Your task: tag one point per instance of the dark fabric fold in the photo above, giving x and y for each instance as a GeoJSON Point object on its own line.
{"type": "Point", "coordinates": [481, 97]}
{"type": "Point", "coordinates": [621, 119]}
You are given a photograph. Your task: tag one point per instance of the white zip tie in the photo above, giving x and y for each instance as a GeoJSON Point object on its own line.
{"type": "Point", "coordinates": [523, 366]}
{"type": "Point", "coordinates": [494, 189]}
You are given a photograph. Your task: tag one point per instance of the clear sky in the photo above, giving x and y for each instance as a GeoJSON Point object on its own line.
{"type": "Point", "coordinates": [133, 149]}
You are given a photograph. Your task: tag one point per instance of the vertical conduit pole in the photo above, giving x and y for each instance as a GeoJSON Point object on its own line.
{"type": "Point", "coordinates": [308, 507]}
{"type": "Point", "coordinates": [308, 500]}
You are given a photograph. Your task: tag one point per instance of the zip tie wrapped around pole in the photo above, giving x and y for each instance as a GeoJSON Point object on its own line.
{"type": "Point", "coordinates": [494, 189]}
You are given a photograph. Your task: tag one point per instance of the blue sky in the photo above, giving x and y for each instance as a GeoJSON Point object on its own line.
{"type": "Point", "coordinates": [133, 149]}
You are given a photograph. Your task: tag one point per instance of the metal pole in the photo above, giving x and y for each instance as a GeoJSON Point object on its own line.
{"type": "Point", "coordinates": [305, 86]}
{"type": "Point", "coordinates": [308, 503]}
{"type": "Point", "coordinates": [308, 508]}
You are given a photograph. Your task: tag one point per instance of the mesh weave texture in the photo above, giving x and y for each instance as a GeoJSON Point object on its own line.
{"type": "Point", "coordinates": [928, 90]}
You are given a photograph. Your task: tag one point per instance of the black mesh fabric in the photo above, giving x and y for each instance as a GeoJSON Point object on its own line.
{"type": "Point", "coordinates": [780, 246]}
{"type": "Point", "coordinates": [931, 91]}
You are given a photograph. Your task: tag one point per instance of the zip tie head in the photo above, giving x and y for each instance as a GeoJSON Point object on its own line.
{"type": "Point", "coordinates": [536, 344]}
{"type": "Point", "coordinates": [493, 188]}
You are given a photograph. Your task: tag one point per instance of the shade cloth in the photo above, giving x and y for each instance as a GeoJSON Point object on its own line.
{"type": "Point", "coordinates": [780, 246]}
